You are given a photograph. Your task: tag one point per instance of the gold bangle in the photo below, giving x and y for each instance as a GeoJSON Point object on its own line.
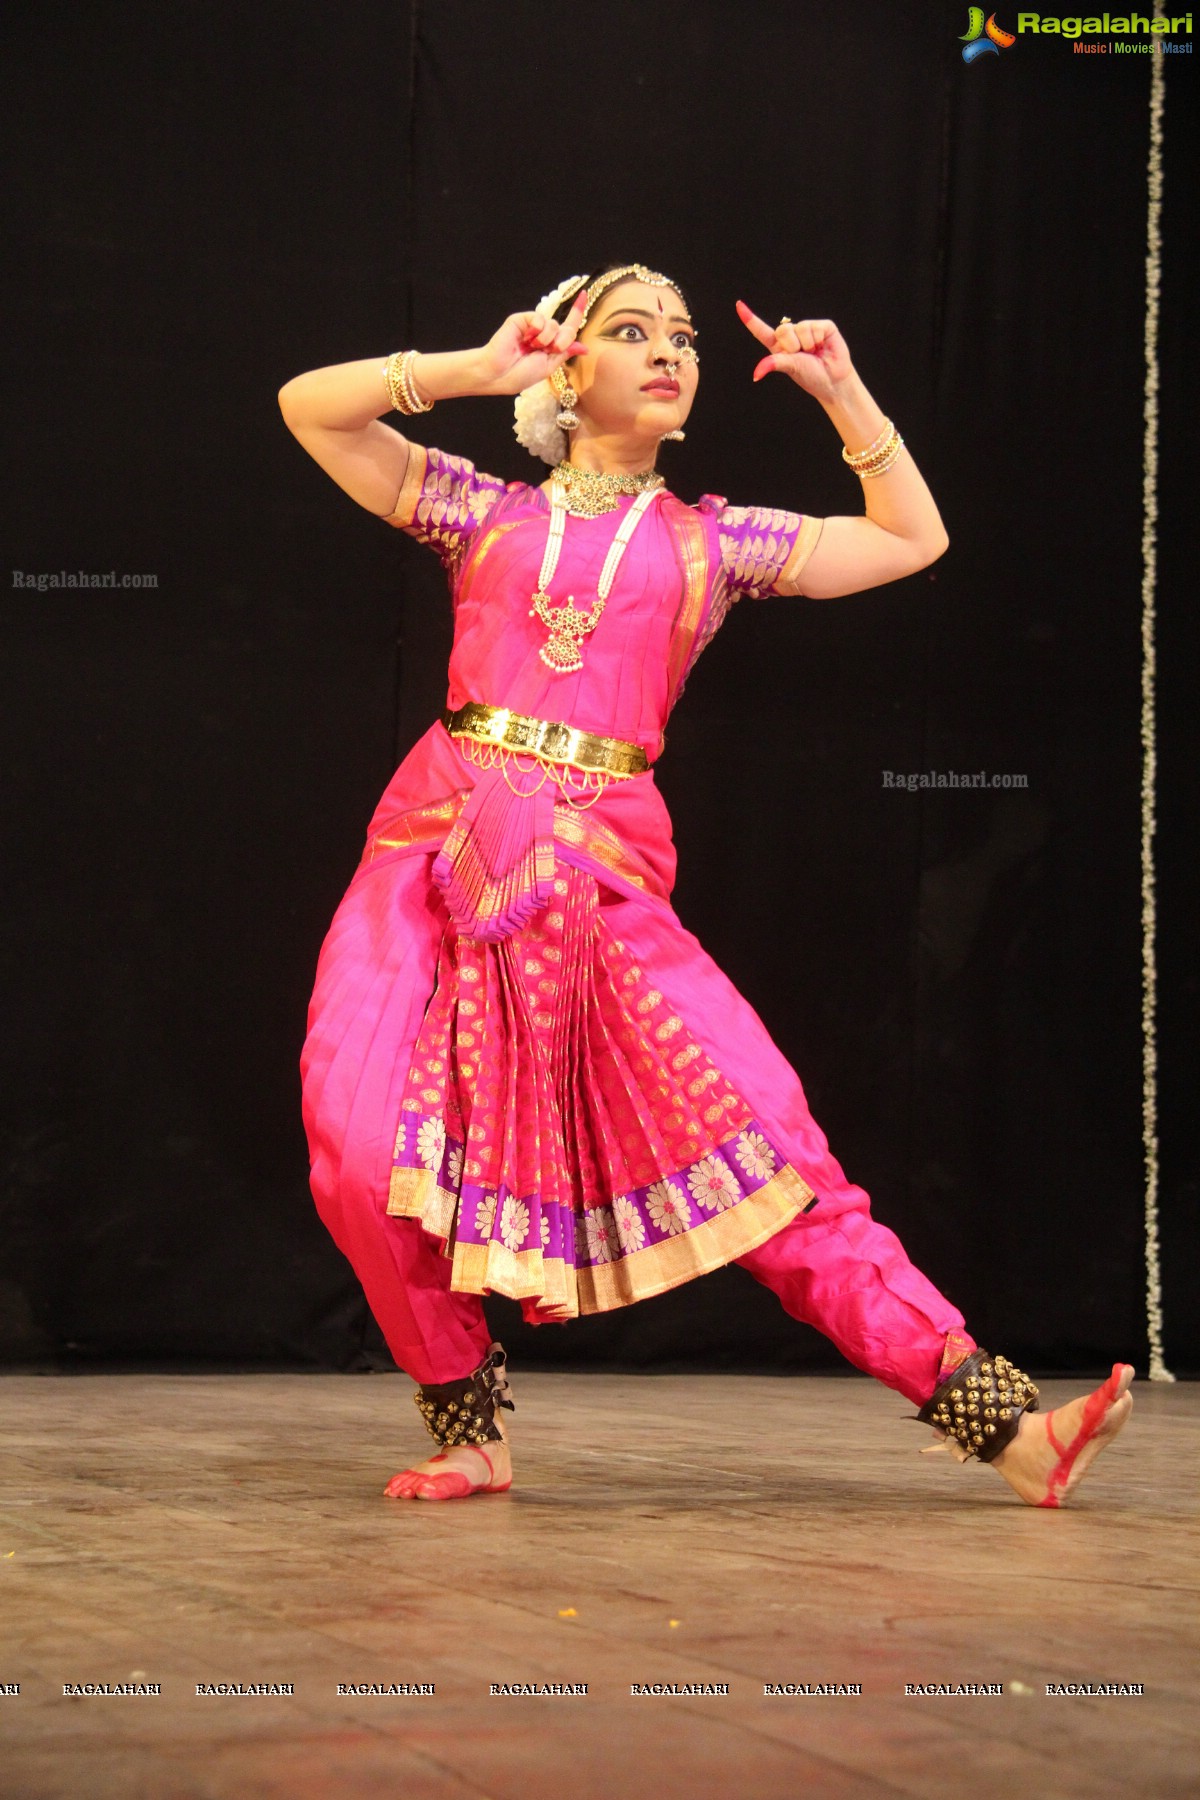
{"type": "Point", "coordinates": [856, 458]}
{"type": "Point", "coordinates": [884, 460]}
{"type": "Point", "coordinates": [862, 459]}
{"type": "Point", "coordinates": [391, 375]}
{"type": "Point", "coordinates": [408, 379]}
{"type": "Point", "coordinates": [882, 455]}
{"type": "Point", "coordinates": [402, 392]}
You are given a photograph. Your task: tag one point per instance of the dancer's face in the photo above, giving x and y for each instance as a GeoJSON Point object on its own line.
{"type": "Point", "coordinates": [622, 385]}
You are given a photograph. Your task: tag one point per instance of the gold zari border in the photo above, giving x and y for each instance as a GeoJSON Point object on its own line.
{"type": "Point", "coordinates": [692, 545]}
{"type": "Point", "coordinates": [430, 825]}
{"type": "Point", "coordinates": [564, 1292]}
{"type": "Point", "coordinates": [411, 488]}
{"type": "Point", "coordinates": [419, 825]}
{"type": "Point", "coordinates": [807, 539]}
{"type": "Point", "coordinates": [604, 846]}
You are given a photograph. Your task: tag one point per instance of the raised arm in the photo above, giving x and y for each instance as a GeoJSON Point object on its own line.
{"type": "Point", "coordinates": [337, 413]}
{"type": "Point", "coordinates": [901, 530]}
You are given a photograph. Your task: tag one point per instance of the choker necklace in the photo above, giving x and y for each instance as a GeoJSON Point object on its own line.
{"type": "Point", "coordinates": [587, 494]}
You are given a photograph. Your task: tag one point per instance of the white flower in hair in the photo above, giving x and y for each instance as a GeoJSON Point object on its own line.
{"type": "Point", "coordinates": [549, 301]}
{"type": "Point", "coordinates": [536, 408]}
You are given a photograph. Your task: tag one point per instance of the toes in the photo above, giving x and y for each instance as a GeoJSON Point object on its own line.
{"type": "Point", "coordinates": [401, 1486]}
{"type": "Point", "coordinates": [1120, 1381]}
{"type": "Point", "coordinates": [1116, 1400]}
{"type": "Point", "coordinates": [427, 1484]}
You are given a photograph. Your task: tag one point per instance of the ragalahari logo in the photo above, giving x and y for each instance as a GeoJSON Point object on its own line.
{"type": "Point", "coordinates": [984, 39]}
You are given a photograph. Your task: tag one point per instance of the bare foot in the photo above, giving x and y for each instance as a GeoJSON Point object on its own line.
{"type": "Point", "coordinates": [453, 1474]}
{"type": "Point", "coordinates": [1051, 1451]}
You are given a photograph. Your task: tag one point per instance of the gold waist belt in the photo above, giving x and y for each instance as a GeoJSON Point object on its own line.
{"type": "Point", "coordinates": [545, 739]}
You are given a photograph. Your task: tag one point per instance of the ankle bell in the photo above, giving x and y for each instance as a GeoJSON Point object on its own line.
{"type": "Point", "coordinates": [980, 1404]}
{"type": "Point", "coordinates": [464, 1411]}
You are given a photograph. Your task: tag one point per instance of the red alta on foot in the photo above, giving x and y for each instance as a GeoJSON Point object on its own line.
{"type": "Point", "coordinates": [424, 1483]}
{"type": "Point", "coordinates": [1096, 1410]}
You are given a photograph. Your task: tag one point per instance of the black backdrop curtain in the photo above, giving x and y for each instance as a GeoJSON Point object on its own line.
{"type": "Point", "coordinates": [209, 199]}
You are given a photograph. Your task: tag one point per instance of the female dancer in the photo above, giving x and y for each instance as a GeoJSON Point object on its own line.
{"type": "Point", "coordinates": [521, 1072]}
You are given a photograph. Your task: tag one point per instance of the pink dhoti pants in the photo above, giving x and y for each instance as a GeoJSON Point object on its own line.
{"type": "Point", "coordinates": [834, 1267]}
{"type": "Point", "coordinates": [847, 1276]}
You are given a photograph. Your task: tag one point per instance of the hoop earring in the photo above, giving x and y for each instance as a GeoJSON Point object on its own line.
{"type": "Point", "coordinates": [567, 419]}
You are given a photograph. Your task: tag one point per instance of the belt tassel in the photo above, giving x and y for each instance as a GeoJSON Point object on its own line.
{"type": "Point", "coordinates": [496, 867]}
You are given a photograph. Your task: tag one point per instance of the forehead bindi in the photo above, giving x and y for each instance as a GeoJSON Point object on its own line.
{"type": "Point", "coordinates": [643, 302]}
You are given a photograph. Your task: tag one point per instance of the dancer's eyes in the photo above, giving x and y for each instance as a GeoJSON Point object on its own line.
{"type": "Point", "coordinates": [681, 339]}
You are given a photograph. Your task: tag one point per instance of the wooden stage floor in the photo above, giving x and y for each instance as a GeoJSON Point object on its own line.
{"type": "Point", "coordinates": [704, 1530]}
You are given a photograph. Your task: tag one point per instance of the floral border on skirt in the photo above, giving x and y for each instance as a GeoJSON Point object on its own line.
{"type": "Point", "coordinates": [683, 1224]}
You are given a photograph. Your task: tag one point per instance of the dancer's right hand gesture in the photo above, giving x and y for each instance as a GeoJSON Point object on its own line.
{"type": "Point", "coordinates": [337, 413]}
{"type": "Point", "coordinates": [528, 347]}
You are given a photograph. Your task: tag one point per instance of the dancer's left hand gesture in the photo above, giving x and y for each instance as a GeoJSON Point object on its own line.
{"type": "Point", "coordinates": [813, 352]}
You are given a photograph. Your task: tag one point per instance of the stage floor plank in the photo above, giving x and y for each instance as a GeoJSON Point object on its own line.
{"type": "Point", "coordinates": [685, 1529]}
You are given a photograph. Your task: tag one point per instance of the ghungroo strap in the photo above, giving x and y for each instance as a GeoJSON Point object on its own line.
{"type": "Point", "coordinates": [464, 1411]}
{"type": "Point", "coordinates": [981, 1403]}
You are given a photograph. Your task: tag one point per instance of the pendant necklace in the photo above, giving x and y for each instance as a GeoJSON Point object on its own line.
{"type": "Point", "coordinates": [567, 625]}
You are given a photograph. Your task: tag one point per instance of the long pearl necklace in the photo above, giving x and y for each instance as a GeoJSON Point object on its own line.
{"type": "Point", "coordinates": [567, 625]}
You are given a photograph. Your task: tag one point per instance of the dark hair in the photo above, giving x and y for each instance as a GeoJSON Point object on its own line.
{"type": "Point", "coordinates": [564, 306]}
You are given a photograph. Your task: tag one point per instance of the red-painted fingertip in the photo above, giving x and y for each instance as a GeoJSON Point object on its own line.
{"type": "Point", "coordinates": [578, 350]}
{"type": "Point", "coordinates": [581, 297]}
{"type": "Point", "coordinates": [765, 367]}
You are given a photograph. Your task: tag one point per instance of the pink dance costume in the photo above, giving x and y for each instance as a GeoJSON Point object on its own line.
{"type": "Point", "coordinates": [522, 1074]}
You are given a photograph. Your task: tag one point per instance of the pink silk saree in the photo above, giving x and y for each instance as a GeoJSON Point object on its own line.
{"type": "Point", "coordinates": [548, 1072]}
